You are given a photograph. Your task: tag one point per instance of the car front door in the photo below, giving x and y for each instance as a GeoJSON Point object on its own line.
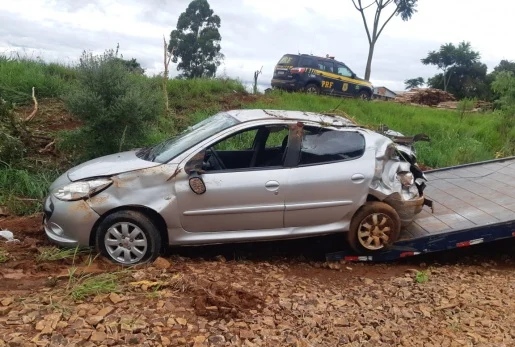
{"type": "Point", "coordinates": [346, 85]}
{"type": "Point", "coordinates": [331, 179]}
{"type": "Point", "coordinates": [244, 179]}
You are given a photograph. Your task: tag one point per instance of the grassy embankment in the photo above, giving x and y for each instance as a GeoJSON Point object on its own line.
{"type": "Point", "coordinates": [454, 141]}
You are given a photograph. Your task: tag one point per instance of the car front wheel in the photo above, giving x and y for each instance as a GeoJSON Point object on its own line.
{"type": "Point", "coordinates": [364, 95]}
{"type": "Point", "coordinates": [374, 227]}
{"type": "Point", "coordinates": [128, 238]}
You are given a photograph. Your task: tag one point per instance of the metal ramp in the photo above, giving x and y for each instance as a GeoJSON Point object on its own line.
{"type": "Point", "coordinates": [472, 203]}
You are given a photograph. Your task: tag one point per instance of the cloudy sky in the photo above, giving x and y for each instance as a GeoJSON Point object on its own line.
{"type": "Point", "coordinates": [257, 33]}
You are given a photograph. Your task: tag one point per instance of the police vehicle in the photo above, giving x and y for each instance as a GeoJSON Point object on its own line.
{"type": "Point", "coordinates": [319, 75]}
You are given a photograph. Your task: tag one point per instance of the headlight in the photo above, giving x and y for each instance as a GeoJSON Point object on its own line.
{"type": "Point", "coordinates": [406, 178]}
{"type": "Point", "coordinates": [80, 190]}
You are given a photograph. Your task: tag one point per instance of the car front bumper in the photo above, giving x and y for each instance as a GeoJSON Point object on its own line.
{"type": "Point", "coordinates": [68, 223]}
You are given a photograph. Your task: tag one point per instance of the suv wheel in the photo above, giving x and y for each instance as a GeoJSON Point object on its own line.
{"type": "Point", "coordinates": [312, 89]}
{"type": "Point", "coordinates": [364, 94]}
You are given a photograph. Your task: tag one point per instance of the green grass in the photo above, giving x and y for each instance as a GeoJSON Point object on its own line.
{"type": "Point", "coordinates": [90, 285]}
{"type": "Point", "coordinates": [21, 191]}
{"type": "Point", "coordinates": [421, 277]}
{"type": "Point", "coordinates": [4, 256]}
{"type": "Point", "coordinates": [19, 74]}
{"type": "Point", "coordinates": [56, 253]}
{"type": "Point", "coordinates": [475, 138]}
{"type": "Point", "coordinates": [457, 138]}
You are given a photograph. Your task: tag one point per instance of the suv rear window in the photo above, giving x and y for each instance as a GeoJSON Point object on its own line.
{"type": "Point", "coordinates": [308, 62]}
{"type": "Point", "coordinates": [289, 60]}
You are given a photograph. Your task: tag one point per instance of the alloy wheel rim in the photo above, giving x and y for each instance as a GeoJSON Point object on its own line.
{"type": "Point", "coordinates": [375, 231]}
{"type": "Point", "coordinates": [126, 243]}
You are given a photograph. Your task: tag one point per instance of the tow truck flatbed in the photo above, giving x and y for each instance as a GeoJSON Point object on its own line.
{"type": "Point", "coordinates": [472, 204]}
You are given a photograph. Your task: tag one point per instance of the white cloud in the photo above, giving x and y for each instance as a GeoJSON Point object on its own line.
{"type": "Point", "coordinates": [257, 33]}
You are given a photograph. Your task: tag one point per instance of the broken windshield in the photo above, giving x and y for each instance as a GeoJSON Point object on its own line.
{"type": "Point", "coordinates": [169, 149]}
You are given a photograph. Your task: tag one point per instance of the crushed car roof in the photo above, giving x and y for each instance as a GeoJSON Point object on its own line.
{"type": "Point", "coordinates": [257, 114]}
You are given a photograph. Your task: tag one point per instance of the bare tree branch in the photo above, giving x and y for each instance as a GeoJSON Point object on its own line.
{"type": "Point", "coordinates": [29, 118]}
{"type": "Point", "coordinates": [362, 11]}
{"type": "Point", "coordinates": [384, 24]}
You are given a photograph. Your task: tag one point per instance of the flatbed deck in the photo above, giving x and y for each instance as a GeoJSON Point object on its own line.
{"type": "Point", "coordinates": [472, 204]}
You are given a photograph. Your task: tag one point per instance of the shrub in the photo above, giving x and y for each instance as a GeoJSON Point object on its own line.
{"type": "Point", "coordinates": [119, 109]}
{"type": "Point", "coordinates": [11, 145]}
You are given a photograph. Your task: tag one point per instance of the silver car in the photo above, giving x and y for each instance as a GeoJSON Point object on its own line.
{"type": "Point", "coordinates": [241, 175]}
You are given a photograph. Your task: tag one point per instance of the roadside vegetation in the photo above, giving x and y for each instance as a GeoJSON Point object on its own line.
{"type": "Point", "coordinates": [100, 106]}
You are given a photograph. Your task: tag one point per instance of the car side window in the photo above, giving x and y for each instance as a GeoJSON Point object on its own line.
{"type": "Point", "coordinates": [325, 65]}
{"type": "Point", "coordinates": [321, 145]}
{"type": "Point", "coordinates": [254, 148]}
{"type": "Point", "coordinates": [344, 71]}
{"type": "Point", "coordinates": [308, 62]}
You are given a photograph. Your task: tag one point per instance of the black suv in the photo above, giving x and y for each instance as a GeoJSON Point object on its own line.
{"type": "Point", "coordinates": [312, 74]}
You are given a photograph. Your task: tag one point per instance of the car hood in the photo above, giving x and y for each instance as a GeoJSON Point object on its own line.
{"type": "Point", "coordinates": [109, 165]}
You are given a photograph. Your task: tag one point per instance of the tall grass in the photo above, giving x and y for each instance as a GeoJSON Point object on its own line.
{"type": "Point", "coordinates": [21, 191]}
{"type": "Point", "coordinates": [19, 74]}
{"type": "Point", "coordinates": [454, 141]}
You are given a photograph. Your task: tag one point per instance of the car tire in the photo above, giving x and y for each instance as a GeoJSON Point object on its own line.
{"type": "Point", "coordinates": [312, 88]}
{"type": "Point", "coordinates": [374, 227]}
{"type": "Point", "coordinates": [364, 94]}
{"type": "Point", "coordinates": [128, 238]}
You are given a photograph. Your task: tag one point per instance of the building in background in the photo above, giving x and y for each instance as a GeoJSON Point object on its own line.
{"type": "Point", "coordinates": [384, 93]}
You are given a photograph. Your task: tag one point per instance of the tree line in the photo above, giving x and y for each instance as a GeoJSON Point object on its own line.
{"type": "Point", "coordinates": [462, 72]}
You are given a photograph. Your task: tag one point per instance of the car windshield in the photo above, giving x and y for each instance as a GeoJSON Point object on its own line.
{"type": "Point", "coordinates": [169, 149]}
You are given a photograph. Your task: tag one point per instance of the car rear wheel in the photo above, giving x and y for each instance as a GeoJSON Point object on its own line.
{"type": "Point", "coordinates": [128, 237]}
{"type": "Point", "coordinates": [312, 89]}
{"type": "Point", "coordinates": [374, 227]}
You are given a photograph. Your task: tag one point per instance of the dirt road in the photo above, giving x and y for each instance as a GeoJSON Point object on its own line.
{"type": "Point", "coordinates": [274, 294]}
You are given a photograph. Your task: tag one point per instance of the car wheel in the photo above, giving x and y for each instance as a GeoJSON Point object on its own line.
{"type": "Point", "coordinates": [128, 237]}
{"type": "Point", "coordinates": [312, 89]}
{"type": "Point", "coordinates": [364, 95]}
{"type": "Point", "coordinates": [374, 227]}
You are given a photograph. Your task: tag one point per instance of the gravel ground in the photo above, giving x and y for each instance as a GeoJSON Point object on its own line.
{"type": "Point", "coordinates": [282, 301]}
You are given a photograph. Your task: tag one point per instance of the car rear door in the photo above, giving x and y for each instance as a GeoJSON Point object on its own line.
{"type": "Point", "coordinates": [329, 78]}
{"type": "Point", "coordinates": [331, 179]}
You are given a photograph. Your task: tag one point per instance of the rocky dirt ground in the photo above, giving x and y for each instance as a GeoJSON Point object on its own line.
{"type": "Point", "coordinates": [273, 294]}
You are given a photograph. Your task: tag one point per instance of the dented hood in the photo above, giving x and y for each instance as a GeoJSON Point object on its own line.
{"type": "Point", "coordinates": [109, 165]}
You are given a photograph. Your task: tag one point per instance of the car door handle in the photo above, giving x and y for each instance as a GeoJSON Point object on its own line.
{"type": "Point", "coordinates": [358, 178]}
{"type": "Point", "coordinates": [272, 185]}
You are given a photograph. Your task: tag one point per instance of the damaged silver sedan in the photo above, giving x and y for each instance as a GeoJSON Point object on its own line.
{"type": "Point", "coordinates": [241, 175]}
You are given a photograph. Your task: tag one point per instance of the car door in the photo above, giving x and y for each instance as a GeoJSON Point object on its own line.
{"type": "Point", "coordinates": [346, 84]}
{"type": "Point", "coordinates": [328, 81]}
{"type": "Point", "coordinates": [243, 195]}
{"type": "Point", "coordinates": [331, 179]}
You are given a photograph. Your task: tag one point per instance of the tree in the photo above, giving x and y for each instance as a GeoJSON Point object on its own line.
{"type": "Point", "coordinates": [450, 57]}
{"type": "Point", "coordinates": [504, 85]}
{"type": "Point", "coordinates": [466, 82]}
{"type": "Point", "coordinates": [404, 8]}
{"type": "Point", "coordinates": [197, 41]}
{"type": "Point", "coordinates": [414, 83]}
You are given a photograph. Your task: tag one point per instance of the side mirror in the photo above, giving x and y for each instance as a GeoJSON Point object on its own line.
{"type": "Point", "coordinates": [193, 168]}
{"type": "Point", "coordinates": [197, 184]}
{"type": "Point", "coordinates": [353, 75]}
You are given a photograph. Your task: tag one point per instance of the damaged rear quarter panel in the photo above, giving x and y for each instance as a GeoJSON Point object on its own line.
{"type": "Point", "coordinates": [150, 187]}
